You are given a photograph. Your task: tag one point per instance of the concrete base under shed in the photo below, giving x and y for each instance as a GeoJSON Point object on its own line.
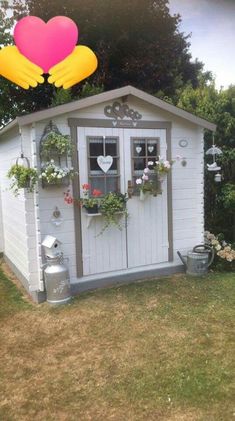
{"type": "Point", "coordinates": [89, 283]}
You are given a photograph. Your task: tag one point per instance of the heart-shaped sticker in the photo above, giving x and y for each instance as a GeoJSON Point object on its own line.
{"type": "Point", "coordinates": [150, 149]}
{"type": "Point", "coordinates": [105, 162]}
{"type": "Point", "coordinates": [46, 44]}
{"type": "Point", "coordinates": [138, 149]}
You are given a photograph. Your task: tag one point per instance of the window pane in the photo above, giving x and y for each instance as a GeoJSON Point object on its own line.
{"type": "Point", "coordinates": [113, 168]}
{"type": "Point", "coordinates": [139, 147]}
{"type": "Point", "coordinates": [94, 166]}
{"type": "Point", "coordinates": [139, 164]}
{"type": "Point", "coordinates": [112, 184]}
{"type": "Point", "coordinates": [96, 146]}
{"type": "Point", "coordinates": [111, 147]}
{"type": "Point", "coordinates": [97, 183]}
{"type": "Point", "coordinates": [152, 148]}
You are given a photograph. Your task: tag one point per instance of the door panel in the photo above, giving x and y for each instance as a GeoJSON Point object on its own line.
{"type": "Point", "coordinates": [147, 228]}
{"type": "Point", "coordinates": [106, 252]}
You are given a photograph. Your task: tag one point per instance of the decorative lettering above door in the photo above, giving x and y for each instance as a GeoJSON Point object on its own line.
{"type": "Point", "coordinates": [120, 113]}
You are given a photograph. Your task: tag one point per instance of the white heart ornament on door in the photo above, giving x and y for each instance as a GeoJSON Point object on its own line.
{"type": "Point", "coordinates": [105, 162]}
{"type": "Point", "coordinates": [150, 149]}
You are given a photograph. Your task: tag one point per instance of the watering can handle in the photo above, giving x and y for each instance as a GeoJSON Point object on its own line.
{"type": "Point", "coordinates": [205, 247]}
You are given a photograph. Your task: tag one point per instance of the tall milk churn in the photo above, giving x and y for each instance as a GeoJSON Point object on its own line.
{"type": "Point", "coordinates": [56, 273]}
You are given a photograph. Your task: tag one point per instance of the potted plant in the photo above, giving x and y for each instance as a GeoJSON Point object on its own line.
{"type": "Point", "coordinates": [112, 204]}
{"type": "Point", "coordinates": [162, 167]}
{"type": "Point", "coordinates": [147, 184]}
{"type": "Point", "coordinates": [52, 174]}
{"type": "Point", "coordinates": [56, 144]}
{"type": "Point", "coordinates": [91, 199]}
{"type": "Point", "coordinates": [22, 178]}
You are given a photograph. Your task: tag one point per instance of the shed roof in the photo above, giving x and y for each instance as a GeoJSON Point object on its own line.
{"type": "Point", "coordinates": [103, 97]}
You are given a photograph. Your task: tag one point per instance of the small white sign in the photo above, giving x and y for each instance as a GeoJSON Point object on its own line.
{"type": "Point", "coordinates": [105, 162]}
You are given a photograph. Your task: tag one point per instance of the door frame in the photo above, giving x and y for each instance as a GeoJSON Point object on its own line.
{"type": "Point", "coordinates": [74, 123]}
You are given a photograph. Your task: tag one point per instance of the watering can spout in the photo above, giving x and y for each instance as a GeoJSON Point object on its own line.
{"type": "Point", "coordinates": [182, 259]}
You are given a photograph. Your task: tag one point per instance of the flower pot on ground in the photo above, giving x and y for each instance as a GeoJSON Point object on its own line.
{"type": "Point", "coordinates": [55, 175]}
{"type": "Point", "coordinates": [22, 178]}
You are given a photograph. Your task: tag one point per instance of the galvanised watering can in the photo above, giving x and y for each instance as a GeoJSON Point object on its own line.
{"type": "Point", "coordinates": [198, 261]}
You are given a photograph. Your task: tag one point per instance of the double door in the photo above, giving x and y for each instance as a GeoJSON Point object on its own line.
{"type": "Point", "coordinates": [143, 239]}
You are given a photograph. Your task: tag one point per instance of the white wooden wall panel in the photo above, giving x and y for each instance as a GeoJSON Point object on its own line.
{"type": "Point", "coordinates": [52, 197]}
{"type": "Point", "coordinates": [147, 230]}
{"type": "Point", "coordinates": [13, 208]}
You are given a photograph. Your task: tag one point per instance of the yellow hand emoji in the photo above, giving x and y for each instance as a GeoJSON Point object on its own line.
{"type": "Point", "coordinates": [80, 64]}
{"type": "Point", "coordinates": [18, 69]}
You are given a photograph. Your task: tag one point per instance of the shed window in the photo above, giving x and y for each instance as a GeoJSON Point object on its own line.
{"type": "Point", "coordinates": [144, 150]}
{"type": "Point", "coordinates": [103, 146]}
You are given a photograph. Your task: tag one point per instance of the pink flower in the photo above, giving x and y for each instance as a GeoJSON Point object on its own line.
{"type": "Point", "coordinates": [145, 177]}
{"type": "Point", "coordinates": [146, 170]}
{"type": "Point", "coordinates": [167, 164]}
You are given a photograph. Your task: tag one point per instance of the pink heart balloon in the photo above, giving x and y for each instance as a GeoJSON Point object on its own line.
{"type": "Point", "coordinates": [46, 44]}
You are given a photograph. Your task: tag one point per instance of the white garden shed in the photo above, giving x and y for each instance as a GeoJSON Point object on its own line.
{"type": "Point", "coordinates": [132, 127]}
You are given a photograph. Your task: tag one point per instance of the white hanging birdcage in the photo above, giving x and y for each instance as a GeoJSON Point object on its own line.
{"type": "Point", "coordinates": [214, 150]}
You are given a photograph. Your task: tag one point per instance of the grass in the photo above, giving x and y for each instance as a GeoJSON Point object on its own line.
{"type": "Point", "coordinates": [159, 350]}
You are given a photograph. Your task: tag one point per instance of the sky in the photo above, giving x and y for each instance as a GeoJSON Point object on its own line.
{"type": "Point", "coordinates": [212, 24]}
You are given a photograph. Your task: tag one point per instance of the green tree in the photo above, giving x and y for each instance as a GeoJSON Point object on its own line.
{"type": "Point", "coordinates": [137, 42]}
{"type": "Point", "coordinates": [219, 107]}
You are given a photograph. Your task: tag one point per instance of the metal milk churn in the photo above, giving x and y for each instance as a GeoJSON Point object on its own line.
{"type": "Point", "coordinates": [198, 261]}
{"type": "Point", "coordinates": [56, 274]}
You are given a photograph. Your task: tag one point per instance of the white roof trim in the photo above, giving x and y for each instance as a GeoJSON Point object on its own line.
{"type": "Point", "coordinates": [108, 96]}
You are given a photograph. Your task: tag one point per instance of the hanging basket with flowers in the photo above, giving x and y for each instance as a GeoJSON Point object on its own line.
{"type": "Point", "coordinates": [55, 144]}
{"type": "Point", "coordinates": [22, 178]}
{"type": "Point", "coordinates": [52, 174]}
{"type": "Point", "coordinates": [153, 175]}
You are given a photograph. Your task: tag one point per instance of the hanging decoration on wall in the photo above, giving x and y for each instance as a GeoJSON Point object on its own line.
{"type": "Point", "coordinates": [214, 151]}
{"type": "Point", "coordinates": [183, 143]}
{"type": "Point", "coordinates": [105, 162]}
{"type": "Point", "coordinates": [121, 113]}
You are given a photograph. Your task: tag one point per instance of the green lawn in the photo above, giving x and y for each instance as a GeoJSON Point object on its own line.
{"type": "Point", "coordinates": [159, 350]}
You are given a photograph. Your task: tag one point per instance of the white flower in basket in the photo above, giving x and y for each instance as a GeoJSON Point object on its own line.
{"type": "Point", "coordinates": [53, 174]}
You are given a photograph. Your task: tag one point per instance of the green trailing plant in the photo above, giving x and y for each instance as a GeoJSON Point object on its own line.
{"type": "Point", "coordinates": [56, 144]}
{"type": "Point", "coordinates": [112, 204]}
{"type": "Point", "coordinates": [22, 178]}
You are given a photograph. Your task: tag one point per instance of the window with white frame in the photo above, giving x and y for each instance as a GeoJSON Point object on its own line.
{"type": "Point", "coordinates": [103, 146]}
{"type": "Point", "coordinates": [144, 150]}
